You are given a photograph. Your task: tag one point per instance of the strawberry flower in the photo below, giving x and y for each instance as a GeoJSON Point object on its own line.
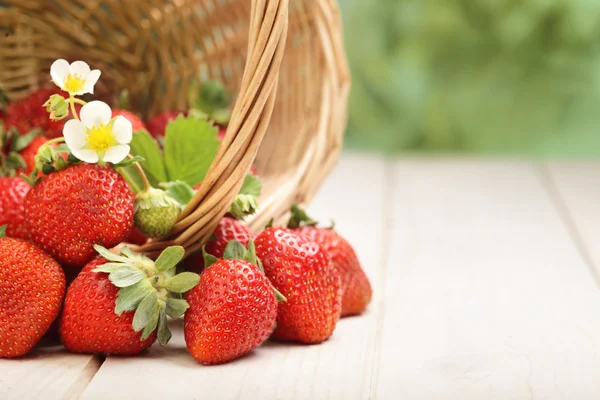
{"type": "Point", "coordinates": [97, 137]}
{"type": "Point", "coordinates": [75, 78]}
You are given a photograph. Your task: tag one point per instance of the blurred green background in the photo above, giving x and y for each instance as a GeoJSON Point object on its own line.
{"type": "Point", "coordinates": [477, 76]}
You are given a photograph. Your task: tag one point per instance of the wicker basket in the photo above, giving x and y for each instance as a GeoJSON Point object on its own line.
{"type": "Point", "coordinates": [284, 59]}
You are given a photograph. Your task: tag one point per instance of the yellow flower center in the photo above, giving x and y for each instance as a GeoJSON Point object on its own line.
{"type": "Point", "coordinates": [100, 138]}
{"type": "Point", "coordinates": [74, 83]}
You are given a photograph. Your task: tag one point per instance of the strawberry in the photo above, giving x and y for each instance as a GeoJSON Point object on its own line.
{"type": "Point", "coordinates": [30, 152]}
{"type": "Point", "coordinates": [232, 310]}
{"type": "Point", "coordinates": [302, 272]}
{"type": "Point", "coordinates": [32, 288]}
{"type": "Point", "coordinates": [70, 210]}
{"type": "Point", "coordinates": [157, 126]}
{"type": "Point", "coordinates": [136, 237]}
{"type": "Point", "coordinates": [119, 304]}
{"type": "Point", "coordinates": [356, 288]}
{"type": "Point", "coordinates": [155, 212]}
{"type": "Point", "coordinates": [29, 113]}
{"type": "Point", "coordinates": [12, 198]}
{"type": "Point", "coordinates": [136, 121]}
{"type": "Point", "coordinates": [228, 229]}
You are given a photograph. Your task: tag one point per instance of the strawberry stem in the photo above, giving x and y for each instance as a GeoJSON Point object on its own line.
{"type": "Point", "coordinates": [138, 166]}
{"type": "Point", "coordinates": [73, 110]}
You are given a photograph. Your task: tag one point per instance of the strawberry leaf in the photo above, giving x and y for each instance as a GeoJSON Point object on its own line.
{"type": "Point", "coordinates": [182, 282]}
{"type": "Point", "coordinates": [176, 307]}
{"type": "Point", "coordinates": [246, 202]}
{"type": "Point", "coordinates": [190, 147]}
{"type": "Point", "coordinates": [145, 146]}
{"type": "Point", "coordinates": [2, 231]}
{"type": "Point", "coordinates": [109, 255]}
{"type": "Point", "coordinates": [145, 311]}
{"type": "Point", "coordinates": [108, 267]}
{"type": "Point", "coordinates": [164, 334]}
{"type": "Point", "coordinates": [209, 259]}
{"type": "Point", "coordinates": [251, 186]}
{"type": "Point", "coordinates": [125, 276]}
{"type": "Point", "coordinates": [22, 141]}
{"type": "Point", "coordinates": [169, 258]}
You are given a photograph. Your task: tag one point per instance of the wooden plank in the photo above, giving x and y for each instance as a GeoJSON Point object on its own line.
{"type": "Point", "coordinates": [46, 373]}
{"type": "Point", "coordinates": [487, 296]}
{"type": "Point", "coordinates": [338, 369]}
{"type": "Point", "coordinates": [576, 189]}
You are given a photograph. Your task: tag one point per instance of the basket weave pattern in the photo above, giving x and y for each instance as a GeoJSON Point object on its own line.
{"type": "Point", "coordinates": [284, 59]}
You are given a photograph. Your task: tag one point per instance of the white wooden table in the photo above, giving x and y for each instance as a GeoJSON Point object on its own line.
{"type": "Point", "coordinates": [486, 276]}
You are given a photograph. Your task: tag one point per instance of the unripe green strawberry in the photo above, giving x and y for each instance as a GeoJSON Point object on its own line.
{"type": "Point", "coordinates": [155, 212]}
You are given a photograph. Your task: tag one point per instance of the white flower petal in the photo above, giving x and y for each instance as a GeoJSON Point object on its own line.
{"type": "Point", "coordinates": [86, 155]}
{"type": "Point", "coordinates": [95, 113]}
{"type": "Point", "coordinates": [80, 68]}
{"type": "Point", "coordinates": [74, 133]}
{"type": "Point", "coordinates": [122, 129]}
{"type": "Point", "coordinates": [59, 71]}
{"type": "Point", "coordinates": [91, 80]}
{"type": "Point", "coordinates": [116, 154]}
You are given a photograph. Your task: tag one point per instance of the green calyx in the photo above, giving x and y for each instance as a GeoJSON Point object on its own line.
{"type": "Point", "coordinates": [299, 218]}
{"type": "Point", "coordinates": [155, 212]}
{"type": "Point", "coordinates": [57, 107]}
{"type": "Point", "coordinates": [3, 231]}
{"type": "Point", "coordinates": [151, 288]}
{"type": "Point", "coordinates": [236, 251]}
{"type": "Point", "coordinates": [246, 202]}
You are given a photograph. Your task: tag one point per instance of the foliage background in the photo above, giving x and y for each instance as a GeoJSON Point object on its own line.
{"type": "Point", "coordinates": [491, 76]}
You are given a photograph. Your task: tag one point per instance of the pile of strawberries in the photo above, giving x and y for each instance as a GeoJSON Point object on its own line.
{"type": "Point", "coordinates": [288, 283]}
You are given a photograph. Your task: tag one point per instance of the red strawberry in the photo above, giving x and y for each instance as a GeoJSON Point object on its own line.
{"type": "Point", "coordinates": [12, 197]}
{"type": "Point", "coordinates": [136, 237]}
{"type": "Point", "coordinates": [89, 323]}
{"type": "Point", "coordinates": [356, 288]}
{"type": "Point", "coordinates": [29, 113]}
{"type": "Point", "coordinates": [69, 211]}
{"type": "Point", "coordinates": [232, 310]}
{"type": "Point", "coordinates": [228, 229]}
{"type": "Point", "coordinates": [302, 272]}
{"type": "Point", "coordinates": [121, 306]}
{"type": "Point", "coordinates": [32, 288]}
{"type": "Point", "coordinates": [30, 152]}
{"type": "Point", "coordinates": [136, 121]}
{"type": "Point", "coordinates": [158, 125]}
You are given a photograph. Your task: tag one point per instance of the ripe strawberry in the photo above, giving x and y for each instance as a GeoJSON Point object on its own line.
{"type": "Point", "coordinates": [30, 152]}
{"type": "Point", "coordinates": [89, 323]}
{"type": "Point", "coordinates": [232, 310]}
{"type": "Point", "coordinates": [119, 304]}
{"type": "Point", "coordinates": [32, 288]}
{"type": "Point", "coordinates": [12, 197]}
{"type": "Point", "coordinates": [136, 237]}
{"type": "Point", "coordinates": [356, 288]}
{"type": "Point", "coordinates": [158, 125]}
{"type": "Point", "coordinates": [136, 121]}
{"type": "Point", "coordinates": [228, 229]}
{"type": "Point", "coordinates": [302, 272]}
{"type": "Point", "coordinates": [69, 211]}
{"type": "Point", "coordinates": [29, 113]}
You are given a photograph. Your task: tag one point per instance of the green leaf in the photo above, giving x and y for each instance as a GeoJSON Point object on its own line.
{"type": "Point", "coordinates": [62, 148]}
{"type": "Point", "coordinates": [299, 218]}
{"type": "Point", "coordinates": [190, 147]}
{"type": "Point", "coordinates": [176, 307]}
{"type": "Point", "coordinates": [125, 276]}
{"type": "Point", "coordinates": [182, 282]}
{"type": "Point", "coordinates": [3, 231]}
{"type": "Point", "coordinates": [151, 327]}
{"type": "Point", "coordinates": [251, 186]}
{"type": "Point", "coordinates": [128, 298]}
{"type": "Point", "coordinates": [145, 311]}
{"type": "Point", "coordinates": [109, 255]}
{"type": "Point", "coordinates": [234, 251]}
{"type": "Point", "coordinates": [180, 191]}
{"type": "Point", "coordinates": [169, 258]}
{"type": "Point", "coordinates": [145, 146]}
{"type": "Point", "coordinates": [164, 334]}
